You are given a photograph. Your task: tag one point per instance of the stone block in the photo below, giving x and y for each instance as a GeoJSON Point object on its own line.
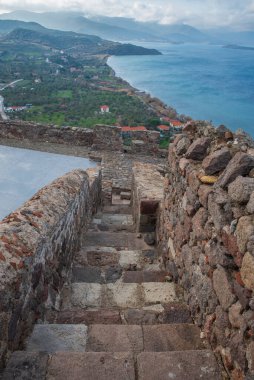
{"type": "Point", "coordinates": [91, 366]}
{"type": "Point", "coordinates": [53, 338]}
{"type": "Point", "coordinates": [102, 257]}
{"type": "Point", "coordinates": [240, 190]}
{"type": "Point", "coordinates": [244, 231]}
{"type": "Point", "coordinates": [26, 366]}
{"type": "Point", "coordinates": [173, 337]}
{"type": "Point", "coordinates": [178, 365]}
{"type": "Point", "coordinates": [124, 295]}
{"type": "Point", "coordinates": [247, 271]}
{"type": "Point", "coordinates": [86, 295]}
{"type": "Point", "coordinates": [115, 338]}
{"type": "Point", "coordinates": [87, 274]}
{"type": "Point", "coordinates": [159, 293]}
{"type": "Point", "coordinates": [223, 288]}
{"type": "Point", "coordinates": [88, 317]}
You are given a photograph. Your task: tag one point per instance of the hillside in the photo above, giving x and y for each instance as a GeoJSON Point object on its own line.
{"type": "Point", "coordinates": [115, 28]}
{"type": "Point", "coordinates": [60, 40]}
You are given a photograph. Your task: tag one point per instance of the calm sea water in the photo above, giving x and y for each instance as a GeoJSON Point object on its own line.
{"type": "Point", "coordinates": [23, 172]}
{"type": "Point", "coordinates": [204, 81]}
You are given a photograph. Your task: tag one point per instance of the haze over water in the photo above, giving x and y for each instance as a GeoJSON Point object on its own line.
{"type": "Point", "coordinates": [23, 172]}
{"type": "Point", "coordinates": [204, 81]}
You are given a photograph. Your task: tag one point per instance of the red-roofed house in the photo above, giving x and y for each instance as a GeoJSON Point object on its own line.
{"type": "Point", "coordinates": [104, 109]}
{"type": "Point", "coordinates": [133, 129]}
{"type": "Point", "coordinates": [163, 129]}
{"type": "Point", "coordinates": [176, 123]}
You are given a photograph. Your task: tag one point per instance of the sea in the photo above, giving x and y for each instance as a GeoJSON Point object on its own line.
{"type": "Point", "coordinates": [204, 81]}
{"type": "Point", "coordinates": [23, 172]}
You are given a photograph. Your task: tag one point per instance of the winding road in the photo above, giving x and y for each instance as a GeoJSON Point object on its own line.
{"type": "Point", "coordinates": [2, 113]}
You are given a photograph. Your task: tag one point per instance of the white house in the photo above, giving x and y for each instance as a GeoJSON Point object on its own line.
{"type": "Point", "coordinates": [104, 109]}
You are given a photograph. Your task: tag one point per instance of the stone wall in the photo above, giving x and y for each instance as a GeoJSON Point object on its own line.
{"type": "Point", "coordinates": [101, 137]}
{"type": "Point", "coordinates": [108, 138]}
{"type": "Point", "coordinates": [206, 236]}
{"type": "Point", "coordinates": [37, 132]}
{"type": "Point", "coordinates": [147, 194]}
{"type": "Point", "coordinates": [145, 142]}
{"type": "Point", "coordinates": [37, 244]}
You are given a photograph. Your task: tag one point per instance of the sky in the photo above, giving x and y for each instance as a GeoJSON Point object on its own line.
{"type": "Point", "coordinates": [238, 14]}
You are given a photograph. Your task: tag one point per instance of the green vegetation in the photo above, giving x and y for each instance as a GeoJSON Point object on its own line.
{"type": "Point", "coordinates": [164, 143]}
{"type": "Point", "coordinates": [66, 87]}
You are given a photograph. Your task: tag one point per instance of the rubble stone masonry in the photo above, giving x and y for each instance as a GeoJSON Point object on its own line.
{"type": "Point", "coordinates": [37, 244]}
{"type": "Point", "coordinates": [206, 236]}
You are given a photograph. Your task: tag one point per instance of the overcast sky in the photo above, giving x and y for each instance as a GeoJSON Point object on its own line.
{"type": "Point", "coordinates": [200, 13]}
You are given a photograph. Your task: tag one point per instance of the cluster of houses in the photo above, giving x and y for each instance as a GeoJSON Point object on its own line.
{"type": "Point", "coordinates": [166, 130]}
{"type": "Point", "coordinates": [17, 108]}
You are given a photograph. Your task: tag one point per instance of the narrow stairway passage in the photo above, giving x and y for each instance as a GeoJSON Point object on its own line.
{"type": "Point", "coordinates": [120, 318]}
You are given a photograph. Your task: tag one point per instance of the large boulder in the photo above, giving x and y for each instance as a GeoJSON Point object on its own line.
{"type": "Point", "coordinates": [241, 164]}
{"type": "Point", "coordinates": [216, 161]}
{"type": "Point", "coordinates": [240, 190]}
{"type": "Point", "coordinates": [198, 149]}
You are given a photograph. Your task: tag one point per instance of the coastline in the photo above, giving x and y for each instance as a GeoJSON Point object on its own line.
{"type": "Point", "coordinates": [154, 103]}
{"type": "Point", "coordinates": [201, 98]}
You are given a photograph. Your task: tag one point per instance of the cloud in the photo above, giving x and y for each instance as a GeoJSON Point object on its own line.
{"type": "Point", "coordinates": [202, 13]}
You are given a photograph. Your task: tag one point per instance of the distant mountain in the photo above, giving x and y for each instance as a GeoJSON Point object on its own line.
{"type": "Point", "coordinates": [61, 40]}
{"type": "Point", "coordinates": [7, 26]}
{"type": "Point", "coordinates": [113, 28]}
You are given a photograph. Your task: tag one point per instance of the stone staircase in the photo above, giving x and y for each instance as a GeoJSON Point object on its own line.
{"type": "Point", "coordinates": [120, 318]}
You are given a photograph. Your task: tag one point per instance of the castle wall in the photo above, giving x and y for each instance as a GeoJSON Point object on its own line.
{"type": "Point", "coordinates": [206, 236]}
{"type": "Point", "coordinates": [37, 245]}
{"type": "Point", "coordinates": [44, 133]}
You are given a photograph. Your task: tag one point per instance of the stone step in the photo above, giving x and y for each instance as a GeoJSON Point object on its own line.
{"type": "Point", "coordinates": [56, 337]}
{"type": "Point", "coordinates": [127, 259]}
{"type": "Point", "coordinates": [145, 276]}
{"type": "Point", "coordinates": [114, 337]}
{"type": "Point", "coordinates": [157, 314]}
{"type": "Point", "coordinates": [117, 295]}
{"type": "Point", "coordinates": [112, 222]}
{"type": "Point", "coordinates": [117, 209]}
{"type": "Point", "coordinates": [136, 338]}
{"type": "Point", "coordinates": [92, 274]}
{"type": "Point", "coordinates": [113, 273]}
{"type": "Point", "coordinates": [183, 365]}
{"type": "Point", "coordinates": [70, 365]}
{"type": "Point", "coordinates": [120, 240]}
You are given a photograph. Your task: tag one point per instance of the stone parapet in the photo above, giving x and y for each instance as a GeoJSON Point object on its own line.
{"type": "Point", "coordinates": [21, 130]}
{"type": "Point", "coordinates": [206, 236]}
{"type": "Point", "coordinates": [37, 245]}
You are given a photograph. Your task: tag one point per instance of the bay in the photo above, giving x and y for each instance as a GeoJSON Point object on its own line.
{"type": "Point", "coordinates": [23, 172]}
{"type": "Point", "coordinates": [206, 82]}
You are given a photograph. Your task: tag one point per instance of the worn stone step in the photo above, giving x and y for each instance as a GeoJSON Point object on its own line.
{"type": "Point", "coordinates": [137, 338]}
{"type": "Point", "coordinates": [116, 338]}
{"type": "Point", "coordinates": [183, 365]}
{"type": "Point", "coordinates": [120, 240]}
{"type": "Point", "coordinates": [145, 276]}
{"type": "Point", "coordinates": [127, 259]}
{"type": "Point", "coordinates": [56, 337]}
{"type": "Point", "coordinates": [117, 209]}
{"type": "Point", "coordinates": [117, 295]}
{"type": "Point", "coordinates": [156, 314]}
{"type": "Point", "coordinates": [120, 220]}
{"type": "Point", "coordinates": [173, 337]}
{"type": "Point", "coordinates": [70, 365]}
{"type": "Point", "coordinates": [95, 274]}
